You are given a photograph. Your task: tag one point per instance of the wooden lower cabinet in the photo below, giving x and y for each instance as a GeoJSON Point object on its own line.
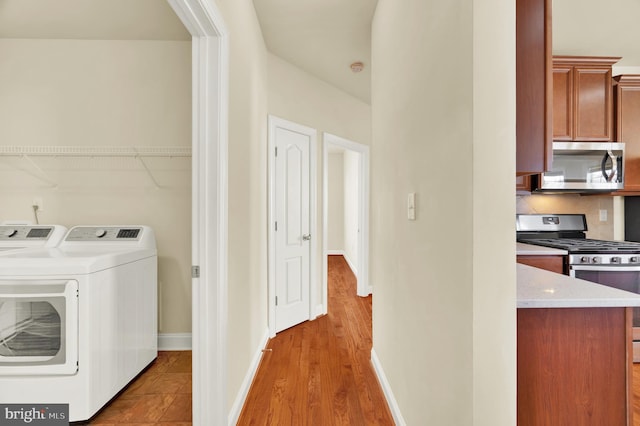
{"type": "Point", "coordinates": [574, 366]}
{"type": "Point", "coordinates": [549, 263]}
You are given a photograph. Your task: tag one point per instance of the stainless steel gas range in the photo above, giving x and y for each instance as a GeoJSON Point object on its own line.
{"type": "Point", "coordinates": [611, 263]}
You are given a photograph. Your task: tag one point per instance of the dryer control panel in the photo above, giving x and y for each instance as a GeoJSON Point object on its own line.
{"type": "Point", "coordinates": [105, 233]}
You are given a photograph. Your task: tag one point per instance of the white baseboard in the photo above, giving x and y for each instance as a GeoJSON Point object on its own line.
{"type": "Point", "coordinates": [335, 252]}
{"type": "Point", "coordinates": [386, 389]}
{"type": "Point", "coordinates": [320, 310]}
{"type": "Point", "coordinates": [174, 341]}
{"type": "Point", "coordinates": [236, 409]}
{"type": "Point", "coordinates": [351, 265]}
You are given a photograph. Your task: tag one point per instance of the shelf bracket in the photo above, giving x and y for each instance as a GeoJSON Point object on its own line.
{"type": "Point", "coordinates": [144, 165]}
{"type": "Point", "coordinates": [43, 176]}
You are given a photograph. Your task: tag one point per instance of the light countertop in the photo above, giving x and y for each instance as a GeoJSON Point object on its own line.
{"type": "Point", "coordinates": [533, 250]}
{"type": "Point", "coordinates": [538, 288]}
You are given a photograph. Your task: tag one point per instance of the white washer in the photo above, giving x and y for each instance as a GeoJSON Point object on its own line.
{"type": "Point", "coordinates": [15, 237]}
{"type": "Point", "coordinates": [92, 302]}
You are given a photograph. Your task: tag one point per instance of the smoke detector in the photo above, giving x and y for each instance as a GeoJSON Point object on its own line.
{"type": "Point", "coordinates": [357, 66]}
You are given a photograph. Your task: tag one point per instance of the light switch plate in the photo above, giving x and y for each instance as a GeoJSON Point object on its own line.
{"type": "Point", "coordinates": [411, 206]}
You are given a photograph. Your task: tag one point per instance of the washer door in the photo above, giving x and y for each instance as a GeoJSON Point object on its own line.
{"type": "Point", "coordinates": [38, 327]}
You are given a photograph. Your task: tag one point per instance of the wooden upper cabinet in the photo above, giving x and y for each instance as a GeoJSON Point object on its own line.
{"type": "Point", "coordinates": [523, 185]}
{"type": "Point", "coordinates": [562, 103]}
{"type": "Point", "coordinates": [627, 129]}
{"type": "Point", "coordinates": [533, 86]}
{"type": "Point", "coordinates": [582, 98]}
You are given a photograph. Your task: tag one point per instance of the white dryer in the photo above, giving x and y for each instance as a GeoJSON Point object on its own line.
{"type": "Point", "coordinates": [98, 289]}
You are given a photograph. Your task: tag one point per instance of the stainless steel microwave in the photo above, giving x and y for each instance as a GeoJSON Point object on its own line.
{"type": "Point", "coordinates": [585, 167]}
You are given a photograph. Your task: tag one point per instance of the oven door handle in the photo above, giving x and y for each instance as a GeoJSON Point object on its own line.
{"type": "Point", "coordinates": [605, 268]}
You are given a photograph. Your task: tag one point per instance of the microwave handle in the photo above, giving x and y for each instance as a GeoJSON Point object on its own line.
{"type": "Point", "coordinates": [603, 166]}
{"type": "Point", "coordinates": [619, 162]}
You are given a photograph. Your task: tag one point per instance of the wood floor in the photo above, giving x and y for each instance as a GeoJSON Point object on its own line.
{"type": "Point", "coordinates": [159, 396]}
{"type": "Point", "coordinates": [319, 372]}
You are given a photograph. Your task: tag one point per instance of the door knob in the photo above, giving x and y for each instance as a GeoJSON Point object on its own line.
{"type": "Point", "coordinates": [306, 237]}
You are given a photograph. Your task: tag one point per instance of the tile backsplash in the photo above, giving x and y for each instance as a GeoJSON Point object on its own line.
{"type": "Point", "coordinates": [570, 203]}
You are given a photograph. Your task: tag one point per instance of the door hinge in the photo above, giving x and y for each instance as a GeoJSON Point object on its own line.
{"type": "Point", "coordinates": [276, 151]}
{"type": "Point", "coordinates": [276, 225]}
{"type": "Point", "coordinates": [276, 300]}
{"type": "Point", "coordinates": [195, 272]}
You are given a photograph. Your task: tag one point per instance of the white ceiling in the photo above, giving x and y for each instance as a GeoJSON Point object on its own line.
{"type": "Point", "coordinates": [597, 28]}
{"type": "Point", "coordinates": [322, 37]}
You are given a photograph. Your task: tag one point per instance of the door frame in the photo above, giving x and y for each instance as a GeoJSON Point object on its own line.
{"type": "Point", "coordinates": [210, 112]}
{"type": "Point", "coordinates": [273, 123]}
{"type": "Point", "coordinates": [362, 265]}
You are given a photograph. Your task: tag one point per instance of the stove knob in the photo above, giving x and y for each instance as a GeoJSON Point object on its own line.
{"type": "Point", "coordinates": [616, 259]}
{"type": "Point", "coordinates": [10, 233]}
{"type": "Point", "coordinates": [596, 259]}
{"type": "Point", "coordinates": [584, 259]}
{"type": "Point", "coordinates": [633, 259]}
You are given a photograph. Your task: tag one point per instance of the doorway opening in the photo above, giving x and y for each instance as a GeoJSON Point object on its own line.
{"type": "Point", "coordinates": [352, 159]}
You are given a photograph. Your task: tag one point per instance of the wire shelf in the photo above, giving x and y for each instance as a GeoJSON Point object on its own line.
{"type": "Point", "coordinates": [95, 151]}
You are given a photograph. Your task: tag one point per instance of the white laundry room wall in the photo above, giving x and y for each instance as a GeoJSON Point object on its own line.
{"type": "Point", "coordinates": [103, 93]}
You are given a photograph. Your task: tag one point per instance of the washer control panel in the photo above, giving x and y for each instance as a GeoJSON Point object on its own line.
{"type": "Point", "coordinates": [104, 233]}
{"type": "Point", "coordinates": [24, 232]}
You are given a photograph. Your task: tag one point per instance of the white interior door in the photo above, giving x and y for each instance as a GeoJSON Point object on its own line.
{"type": "Point", "coordinates": [292, 225]}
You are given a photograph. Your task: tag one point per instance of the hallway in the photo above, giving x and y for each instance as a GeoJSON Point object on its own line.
{"type": "Point", "coordinates": [319, 372]}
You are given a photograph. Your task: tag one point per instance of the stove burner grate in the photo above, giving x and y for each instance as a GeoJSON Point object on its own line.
{"type": "Point", "coordinates": [574, 245]}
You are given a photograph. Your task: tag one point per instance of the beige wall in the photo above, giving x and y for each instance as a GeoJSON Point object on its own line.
{"type": "Point", "coordinates": [336, 199]}
{"type": "Point", "coordinates": [247, 254]}
{"type": "Point", "coordinates": [302, 98]}
{"type": "Point", "coordinates": [103, 93]}
{"type": "Point", "coordinates": [343, 186]}
{"type": "Point", "coordinates": [351, 204]}
{"type": "Point", "coordinates": [443, 96]}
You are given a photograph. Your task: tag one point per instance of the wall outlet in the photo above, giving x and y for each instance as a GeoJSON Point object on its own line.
{"type": "Point", "coordinates": [37, 201]}
{"type": "Point", "coordinates": [603, 215]}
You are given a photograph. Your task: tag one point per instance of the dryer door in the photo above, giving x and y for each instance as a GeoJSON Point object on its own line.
{"type": "Point", "coordinates": [38, 327]}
